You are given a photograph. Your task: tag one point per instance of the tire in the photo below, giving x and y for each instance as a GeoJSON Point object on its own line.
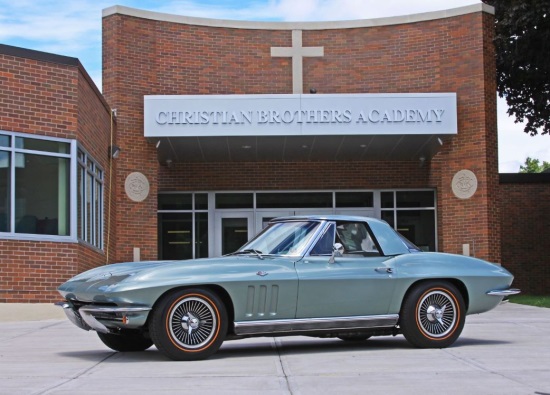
{"type": "Point", "coordinates": [189, 324]}
{"type": "Point", "coordinates": [125, 342]}
{"type": "Point", "coordinates": [432, 315]}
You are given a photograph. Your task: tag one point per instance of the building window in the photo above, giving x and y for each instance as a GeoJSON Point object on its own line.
{"type": "Point", "coordinates": [89, 200]}
{"type": "Point", "coordinates": [183, 225]}
{"type": "Point", "coordinates": [35, 175]}
{"type": "Point", "coordinates": [411, 213]}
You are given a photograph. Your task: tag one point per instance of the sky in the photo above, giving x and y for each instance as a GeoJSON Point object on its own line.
{"type": "Point", "coordinates": [73, 28]}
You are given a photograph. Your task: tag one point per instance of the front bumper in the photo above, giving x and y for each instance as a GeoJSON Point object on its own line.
{"type": "Point", "coordinates": [105, 319]}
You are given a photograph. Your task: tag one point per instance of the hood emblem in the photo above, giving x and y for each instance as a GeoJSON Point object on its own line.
{"type": "Point", "coordinates": [262, 273]}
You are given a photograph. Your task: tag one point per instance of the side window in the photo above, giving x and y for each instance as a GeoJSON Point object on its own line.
{"type": "Point", "coordinates": [325, 243]}
{"type": "Point", "coordinates": [356, 239]}
{"type": "Point", "coordinates": [35, 185]}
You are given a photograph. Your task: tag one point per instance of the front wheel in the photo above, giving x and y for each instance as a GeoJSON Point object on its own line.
{"type": "Point", "coordinates": [125, 341]}
{"type": "Point", "coordinates": [432, 315]}
{"type": "Point", "coordinates": [189, 324]}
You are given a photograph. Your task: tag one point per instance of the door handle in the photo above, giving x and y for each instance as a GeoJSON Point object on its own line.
{"type": "Point", "coordinates": [387, 270]}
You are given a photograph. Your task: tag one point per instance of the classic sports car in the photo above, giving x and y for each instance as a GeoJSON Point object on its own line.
{"type": "Point", "coordinates": [324, 276]}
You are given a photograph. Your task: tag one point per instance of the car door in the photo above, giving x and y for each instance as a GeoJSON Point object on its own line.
{"type": "Point", "coordinates": [359, 283]}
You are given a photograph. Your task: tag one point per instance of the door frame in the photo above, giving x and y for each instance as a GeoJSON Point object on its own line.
{"type": "Point", "coordinates": [220, 215]}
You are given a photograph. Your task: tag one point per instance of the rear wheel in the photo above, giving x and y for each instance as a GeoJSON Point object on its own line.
{"type": "Point", "coordinates": [125, 341]}
{"type": "Point", "coordinates": [432, 315]}
{"type": "Point", "coordinates": [189, 324]}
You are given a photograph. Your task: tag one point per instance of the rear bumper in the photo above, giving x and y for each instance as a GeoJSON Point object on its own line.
{"type": "Point", "coordinates": [504, 292]}
{"type": "Point", "coordinates": [105, 319]}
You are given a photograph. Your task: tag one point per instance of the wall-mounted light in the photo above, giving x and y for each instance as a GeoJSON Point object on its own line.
{"type": "Point", "coordinates": [422, 160]}
{"type": "Point", "coordinates": [312, 91]}
{"type": "Point", "coordinates": [169, 162]}
{"type": "Point", "coordinates": [114, 151]}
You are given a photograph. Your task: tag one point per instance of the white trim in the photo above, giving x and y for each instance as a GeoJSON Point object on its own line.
{"type": "Point", "coordinates": [330, 25]}
{"type": "Point", "coordinates": [73, 162]}
{"type": "Point", "coordinates": [36, 237]}
{"type": "Point", "coordinates": [35, 136]}
{"type": "Point", "coordinates": [73, 191]}
{"type": "Point", "coordinates": [96, 236]}
{"type": "Point", "coordinates": [283, 96]}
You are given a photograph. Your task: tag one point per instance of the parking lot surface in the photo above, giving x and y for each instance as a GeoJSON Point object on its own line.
{"type": "Point", "coordinates": [505, 351]}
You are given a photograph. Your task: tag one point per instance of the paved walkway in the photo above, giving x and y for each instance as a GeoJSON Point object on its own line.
{"type": "Point", "coordinates": [505, 351]}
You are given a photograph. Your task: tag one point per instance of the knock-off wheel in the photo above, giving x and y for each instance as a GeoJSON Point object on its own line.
{"type": "Point", "coordinates": [432, 315]}
{"type": "Point", "coordinates": [189, 324]}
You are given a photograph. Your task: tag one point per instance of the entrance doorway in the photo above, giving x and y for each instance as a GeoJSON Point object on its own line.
{"type": "Point", "coordinates": [232, 230]}
{"type": "Point", "coordinates": [208, 224]}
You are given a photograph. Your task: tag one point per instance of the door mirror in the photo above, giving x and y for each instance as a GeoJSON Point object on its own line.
{"type": "Point", "coordinates": [337, 250]}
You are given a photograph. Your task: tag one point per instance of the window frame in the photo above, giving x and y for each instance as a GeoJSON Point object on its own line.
{"type": "Point", "coordinates": [395, 209]}
{"type": "Point", "coordinates": [13, 150]}
{"type": "Point", "coordinates": [194, 211]}
{"type": "Point", "coordinates": [90, 167]}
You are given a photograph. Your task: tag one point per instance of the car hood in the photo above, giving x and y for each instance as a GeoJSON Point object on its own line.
{"type": "Point", "coordinates": [134, 275]}
{"type": "Point", "coordinates": [108, 275]}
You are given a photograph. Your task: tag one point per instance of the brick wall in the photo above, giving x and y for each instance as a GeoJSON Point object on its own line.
{"type": "Point", "coordinates": [148, 57]}
{"type": "Point", "coordinates": [525, 227]}
{"type": "Point", "coordinates": [38, 97]}
{"type": "Point", "coordinates": [291, 175]}
{"type": "Point", "coordinates": [49, 95]}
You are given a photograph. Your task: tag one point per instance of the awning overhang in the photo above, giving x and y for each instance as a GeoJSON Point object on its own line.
{"type": "Point", "coordinates": [298, 148]}
{"type": "Point", "coordinates": [296, 128]}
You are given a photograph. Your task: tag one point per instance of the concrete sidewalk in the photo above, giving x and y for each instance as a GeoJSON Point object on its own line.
{"type": "Point", "coordinates": [10, 312]}
{"type": "Point", "coordinates": [505, 351]}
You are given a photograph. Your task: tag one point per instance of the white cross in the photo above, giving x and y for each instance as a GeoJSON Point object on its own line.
{"type": "Point", "coordinates": [297, 53]}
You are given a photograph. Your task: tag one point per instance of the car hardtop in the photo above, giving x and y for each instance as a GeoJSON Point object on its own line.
{"type": "Point", "coordinates": [391, 242]}
{"type": "Point", "coordinates": [329, 217]}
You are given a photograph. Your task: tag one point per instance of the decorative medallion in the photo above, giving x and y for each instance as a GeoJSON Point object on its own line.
{"type": "Point", "coordinates": [137, 187]}
{"type": "Point", "coordinates": [464, 184]}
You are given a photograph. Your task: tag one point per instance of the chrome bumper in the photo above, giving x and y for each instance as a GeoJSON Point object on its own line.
{"type": "Point", "coordinates": [504, 292]}
{"type": "Point", "coordinates": [105, 319]}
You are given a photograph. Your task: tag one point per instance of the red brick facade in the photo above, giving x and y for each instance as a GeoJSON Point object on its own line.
{"type": "Point", "coordinates": [525, 223]}
{"type": "Point", "coordinates": [153, 57]}
{"type": "Point", "coordinates": [53, 96]}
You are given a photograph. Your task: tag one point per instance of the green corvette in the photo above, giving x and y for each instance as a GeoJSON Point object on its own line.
{"type": "Point", "coordinates": [324, 276]}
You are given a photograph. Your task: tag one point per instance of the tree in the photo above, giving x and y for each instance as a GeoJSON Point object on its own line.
{"type": "Point", "coordinates": [523, 60]}
{"type": "Point", "coordinates": [533, 166]}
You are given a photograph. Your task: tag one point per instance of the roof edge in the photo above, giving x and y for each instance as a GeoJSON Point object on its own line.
{"type": "Point", "coordinates": [325, 25]}
{"type": "Point", "coordinates": [20, 52]}
{"type": "Point", "coordinates": [524, 178]}
{"type": "Point", "coordinates": [48, 57]}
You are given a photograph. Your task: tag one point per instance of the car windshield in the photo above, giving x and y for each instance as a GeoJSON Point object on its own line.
{"type": "Point", "coordinates": [410, 245]}
{"type": "Point", "coordinates": [282, 238]}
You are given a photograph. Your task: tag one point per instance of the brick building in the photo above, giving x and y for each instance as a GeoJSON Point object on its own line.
{"type": "Point", "coordinates": [223, 125]}
{"type": "Point", "coordinates": [55, 129]}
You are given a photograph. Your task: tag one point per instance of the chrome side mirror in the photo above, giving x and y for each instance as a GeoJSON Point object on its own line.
{"type": "Point", "coordinates": [337, 250]}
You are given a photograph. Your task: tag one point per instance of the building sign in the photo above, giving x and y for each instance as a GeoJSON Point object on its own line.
{"type": "Point", "coordinates": [293, 115]}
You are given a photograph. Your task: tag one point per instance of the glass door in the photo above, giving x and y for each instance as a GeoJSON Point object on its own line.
{"type": "Point", "coordinates": [264, 216]}
{"type": "Point", "coordinates": [233, 229]}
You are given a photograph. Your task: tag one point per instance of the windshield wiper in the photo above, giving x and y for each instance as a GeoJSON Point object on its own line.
{"type": "Point", "coordinates": [249, 251]}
